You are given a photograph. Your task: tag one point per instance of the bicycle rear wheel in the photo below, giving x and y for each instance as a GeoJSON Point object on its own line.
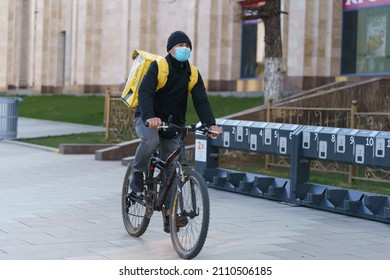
{"type": "Point", "coordinates": [134, 209]}
{"type": "Point", "coordinates": [190, 200]}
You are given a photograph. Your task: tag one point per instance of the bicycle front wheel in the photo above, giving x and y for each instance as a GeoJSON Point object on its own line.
{"type": "Point", "coordinates": [190, 214]}
{"type": "Point", "coordinates": [134, 209]}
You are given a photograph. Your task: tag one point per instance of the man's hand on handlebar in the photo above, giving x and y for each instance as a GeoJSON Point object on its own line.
{"type": "Point", "coordinates": [154, 122]}
{"type": "Point", "coordinates": [214, 131]}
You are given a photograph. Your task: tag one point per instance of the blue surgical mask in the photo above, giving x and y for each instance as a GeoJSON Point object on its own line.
{"type": "Point", "coordinates": [182, 53]}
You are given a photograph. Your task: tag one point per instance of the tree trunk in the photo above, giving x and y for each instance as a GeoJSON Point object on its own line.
{"type": "Point", "coordinates": [273, 78]}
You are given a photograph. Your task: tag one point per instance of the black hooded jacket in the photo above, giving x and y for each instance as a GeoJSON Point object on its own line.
{"type": "Point", "coordinates": [172, 98]}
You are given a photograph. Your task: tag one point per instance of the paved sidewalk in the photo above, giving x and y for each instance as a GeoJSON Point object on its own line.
{"type": "Point", "coordinates": [55, 206]}
{"type": "Point", "coordinates": [34, 128]}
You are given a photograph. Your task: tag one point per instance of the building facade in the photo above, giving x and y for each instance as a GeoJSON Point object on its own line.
{"type": "Point", "coordinates": [85, 46]}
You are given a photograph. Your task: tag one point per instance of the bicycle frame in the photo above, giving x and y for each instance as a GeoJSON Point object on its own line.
{"type": "Point", "coordinates": [156, 162]}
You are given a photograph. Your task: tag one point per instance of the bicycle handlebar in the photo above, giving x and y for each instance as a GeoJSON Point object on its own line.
{"type": "Point", "coordinates": [202, 128]}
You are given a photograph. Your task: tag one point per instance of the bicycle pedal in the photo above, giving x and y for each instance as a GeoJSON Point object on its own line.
{"type": "Point", "coordinates": [167, 229]}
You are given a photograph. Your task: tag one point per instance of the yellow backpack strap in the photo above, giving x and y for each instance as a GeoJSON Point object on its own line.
{"type": "Point", "coordinates": [163, 71]}
{"type": "Point", "coordinates": [193, 78]}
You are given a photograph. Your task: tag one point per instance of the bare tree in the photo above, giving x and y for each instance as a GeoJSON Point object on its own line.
{"type": "Point", "coordinates": [269, 12]}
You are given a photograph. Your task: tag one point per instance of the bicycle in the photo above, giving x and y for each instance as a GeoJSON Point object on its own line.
{"type": "Point", "coordinates": [190, 198]}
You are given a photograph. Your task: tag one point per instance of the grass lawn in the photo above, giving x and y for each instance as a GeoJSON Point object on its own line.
{"type": "Point", "coordinates": [65, 108]}
{"type": "Point", "coordinates": [90, 109]}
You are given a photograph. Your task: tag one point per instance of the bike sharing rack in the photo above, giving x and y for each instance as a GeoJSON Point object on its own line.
{"type": "Point", "coordinates": [301, 144]}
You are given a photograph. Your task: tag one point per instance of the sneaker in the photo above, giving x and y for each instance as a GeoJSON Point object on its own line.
{"type": "Point", "coordinates": [166, 227]}
{"type": "Point", "coordinates": [137, 181]}
{"type": "Point", "coordinates": [181, 221]}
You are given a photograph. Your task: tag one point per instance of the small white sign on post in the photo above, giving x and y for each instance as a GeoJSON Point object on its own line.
{"type": "Point", "coordinates": [200, 150]}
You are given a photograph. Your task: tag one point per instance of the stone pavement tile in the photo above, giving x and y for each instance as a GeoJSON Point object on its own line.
{"type": "Point", "coordinates": [50, 229]}
{"type": "Point", "coordinates": [87, 236]}
{"type": "Point", "coordinates": [14, 227]}
{"type": "Point", "coordinates": [385, 240]}
{"type": "Point", "coordinates": [153, 244]}
{"type": "Point", "coordinates": [324, 242]}
{"type": "Point", "coordinates": [329, 234]}
{"type": "Point", "coordinates": [8, 214]}
{"type": "Point", "coordinates": [3, 235]}
{"type": "Point", "coordinates": [235, 252]}
{"type": "Point", "coordinates": [270, 228]}
{"type": "Point", "coordinates": [375, 255]}
{"type": "Point", "coordinates": [238, 247]}
{"type": "Point", "coordinates": [13, 241]}
{"type": "Point", "coordinates": [33, 221]}
{"type": "Point", "coordinates": [92, 256]}
{"type": "Point", "coordinates": [94, 225]}
{"type": "Point", "coordinates": [104, 221]}
{"type": "Point", "coordinates": [160, 249]}
{"type": "Point", "coordinates": [62, 216]}
{"type": "Point", "coordinates": [55, 251]}
{"type": "Point", "coordinates": [358, 234]}
{"type": "Point", "coordinates": [379, 248]}
{"type": "Point", "coordinates": [326, 251]}
{"type": "Point", "coordinates": [35, 238]}
{"type": "Point", "coordinates": [297, 255]}
{"type": "Point", "coordinates": [58, 231]}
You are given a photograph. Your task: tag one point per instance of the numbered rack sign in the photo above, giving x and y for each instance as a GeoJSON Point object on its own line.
{"type": "Point", "coordinates": [327, 143]}
{"type": "Point", "coordinates": [310, 141]}
{"type": "Point", "coordinates": [382, 150]}
{"type": "Point", "coordinates": [364, 147]}
{"type": "Point", "coordinates": [271, 138]}
{"type": "Point", "coordinates": [345, 145]}
{"type": "Point", "coordinates": [256, 135]}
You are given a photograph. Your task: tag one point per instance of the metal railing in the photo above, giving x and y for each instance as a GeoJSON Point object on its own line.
{"type": "Point", "coordinates": [118, 118]}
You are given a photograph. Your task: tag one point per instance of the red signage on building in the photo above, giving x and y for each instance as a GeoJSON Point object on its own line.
{"type": "Point", "coordinates": [252, 3]}
{"type": "Point", "coordinates": [359, 4]}
{"type": "Point", "coordinates": [247, 6]}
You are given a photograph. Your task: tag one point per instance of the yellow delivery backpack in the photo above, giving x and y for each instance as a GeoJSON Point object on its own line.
{"type": "Point", "coordinates": [141, 63]}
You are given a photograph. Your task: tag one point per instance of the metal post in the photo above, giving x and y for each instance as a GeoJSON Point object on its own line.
{"type": "Point", "coordinates": [206, 155]}
{"type": "Point", "coordinates": [352, 170]}
{"type": "Point", "coordinates": [267, 158]}
{"type": "Point", "coordinates": [299, 169]}
{"type": "Point", "coordinates": [107, 109]}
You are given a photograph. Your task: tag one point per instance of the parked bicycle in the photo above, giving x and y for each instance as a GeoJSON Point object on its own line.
{"type": "Point", "coordinates": [189, 209]}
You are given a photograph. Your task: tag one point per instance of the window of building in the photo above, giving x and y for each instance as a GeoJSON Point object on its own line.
{"type": "Point", "coordinates": [252, 50]}
{"type": "Point", "coordinates": [248, 50]}
{"type": "Point", "coordinates": [366, 44]}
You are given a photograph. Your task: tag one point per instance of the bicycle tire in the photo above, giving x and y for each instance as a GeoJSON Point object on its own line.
{"type": "Point", "coordinates": [134, 212]}
{"type": "Point", "coordinates": [188, 241]}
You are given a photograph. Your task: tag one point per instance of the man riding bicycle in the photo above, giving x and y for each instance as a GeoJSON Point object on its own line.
{"type": "Point", "coordinates": [154, 108]}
